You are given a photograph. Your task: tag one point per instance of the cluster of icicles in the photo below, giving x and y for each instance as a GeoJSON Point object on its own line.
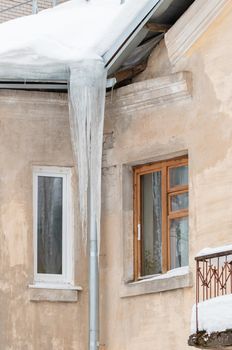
{"type": "Point", "coordinates": [87, 102]}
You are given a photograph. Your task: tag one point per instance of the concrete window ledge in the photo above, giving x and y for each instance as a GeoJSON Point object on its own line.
{"type": "Point", "coordinates": [162, 283]}
{"type": "Point", "coordinates": [54, 293]}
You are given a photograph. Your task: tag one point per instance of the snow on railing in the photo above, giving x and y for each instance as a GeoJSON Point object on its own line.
{"type": "Point", "coordinates": [213, 275]}
{"type": "Point", "coordinates": [10, 10]}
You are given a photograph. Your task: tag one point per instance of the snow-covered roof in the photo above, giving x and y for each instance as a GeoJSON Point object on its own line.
{"type": "Point", "coordinates": [44, 45]}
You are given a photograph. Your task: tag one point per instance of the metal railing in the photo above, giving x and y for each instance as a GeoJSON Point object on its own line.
{"type": "Point", "coordinates": [10, 9]}
{"type": "Point", "coordinates": [213, 277]}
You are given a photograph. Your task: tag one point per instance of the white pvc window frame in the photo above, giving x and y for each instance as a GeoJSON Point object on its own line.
{"type": "Point", "coordinates": [66, 278]}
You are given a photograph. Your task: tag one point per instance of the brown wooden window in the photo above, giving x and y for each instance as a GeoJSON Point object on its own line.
{"type": "Point", "coordinates": [160, 217]}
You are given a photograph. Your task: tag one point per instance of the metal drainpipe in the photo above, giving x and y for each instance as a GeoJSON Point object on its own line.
{"type": "Point", "coordinates": [93, 276]}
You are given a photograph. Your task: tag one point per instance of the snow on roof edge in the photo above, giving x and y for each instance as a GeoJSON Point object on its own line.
{"type": "Point", "coordinates": [33, 63]}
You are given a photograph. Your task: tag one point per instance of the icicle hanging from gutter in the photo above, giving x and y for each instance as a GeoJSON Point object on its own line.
{"type": "Point", "coordinates": [87, 101]}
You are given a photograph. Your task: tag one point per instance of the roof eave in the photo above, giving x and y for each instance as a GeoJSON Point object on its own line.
{"type": "Point", "coordinates": [134, 34]}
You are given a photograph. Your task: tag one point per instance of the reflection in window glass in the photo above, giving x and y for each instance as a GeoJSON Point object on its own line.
{"type": "Point", "coordinates": [49, 225]}
{"type": "Point", "coordinates": [178, 176]}
{"type": "Point", "coordinates": [179, 242]}
{"type": "Point", "coordinates": [179, 201]}
{"type": "Point", "coordinates": [151, 224]}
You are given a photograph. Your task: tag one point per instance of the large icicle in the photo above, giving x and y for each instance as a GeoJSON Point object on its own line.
{"type": "Point", "coordinates": [87, 102]}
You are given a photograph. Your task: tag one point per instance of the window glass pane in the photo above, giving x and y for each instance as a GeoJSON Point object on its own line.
{"type": "Point", "coordinates": [49, 226]}
{"type": "Point", "coordinates": [179, 242]}
{"type": "Point", "coordinates": [178, 176]}
{"type": "Point", "coordinates": [151, 224]}
{"type": "Point", "coordinates": [179, 201]}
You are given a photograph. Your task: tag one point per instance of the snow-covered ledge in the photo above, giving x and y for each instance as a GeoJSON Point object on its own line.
{"type": "Point", "coordinates": [214, 315]}
{"type": "Point", "coordinates": [211, 323]}
{"type": "Point", "coordinates": [150, 93]}
{"type": "Point", "coordinates": [173, 279]}
{"type": "Point", "coordinates": [216, 250]}
{"type": "Point", "coordinates": [189, 28]}
{"type": "Point", "coordinates": [215, 323]}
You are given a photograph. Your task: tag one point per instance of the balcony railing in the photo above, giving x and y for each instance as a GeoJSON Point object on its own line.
{"type": "Point", "coordinates": [10, 9]}
{"type": "Point", "coordinates": [213, 277]}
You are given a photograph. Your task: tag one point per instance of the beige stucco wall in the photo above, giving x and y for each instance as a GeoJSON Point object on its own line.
{"type": "Point", "coordinates": [203, 127]}
{"type": "Point", "coordinates": [34, 130]}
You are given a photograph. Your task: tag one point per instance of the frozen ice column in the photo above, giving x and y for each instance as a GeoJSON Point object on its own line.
{"type": "Point", "coordinates": [87, 103]}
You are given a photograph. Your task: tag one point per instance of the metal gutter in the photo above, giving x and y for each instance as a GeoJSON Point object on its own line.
{"type": "Point", "coordinates": [33, 86]}
{"type": "Point", "coordinates": [50, 86]}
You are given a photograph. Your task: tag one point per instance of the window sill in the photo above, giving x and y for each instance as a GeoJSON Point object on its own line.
{"type": "Point", "coordinates": [54, 292]}
{"type": "Point", "coordinates": [174, 279]}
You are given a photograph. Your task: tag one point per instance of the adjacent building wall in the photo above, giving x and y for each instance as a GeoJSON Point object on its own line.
{"type": "Point", "coordinates": [34, 130]}
{"type": "Point", "coordinates": [12, 9]}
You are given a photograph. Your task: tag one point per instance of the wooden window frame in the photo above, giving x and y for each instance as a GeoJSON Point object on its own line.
{"type": "Point", "coordinates": [66, 278]}
{"type": "Point", "coordinates": [167, 214]}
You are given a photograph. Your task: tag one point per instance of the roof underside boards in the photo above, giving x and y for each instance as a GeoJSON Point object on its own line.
{"type": "Point", "coordinates": [170, 10]}
{"type": "Point", "coordinates": [120, 46]}
{"type": "Point", "coordinates": [164, 12]}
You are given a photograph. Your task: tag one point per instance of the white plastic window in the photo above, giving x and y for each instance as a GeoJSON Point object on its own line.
{"type": "Point", "coordinates": [52, 225]}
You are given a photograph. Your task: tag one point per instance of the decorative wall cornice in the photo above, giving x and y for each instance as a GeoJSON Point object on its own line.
{"type": "Point", "coordinates": [188, 29]}
{"type": "Point", "coordinates": [138, 96]}
{"type": "Point", "coordinates": [150, 93]}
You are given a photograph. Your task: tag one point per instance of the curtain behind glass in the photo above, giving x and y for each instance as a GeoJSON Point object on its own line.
{"type": "Point", "coordinates": [151, 224]}
{"type": "Point", "coordinates": [49, 225]}
{"type": "Point", "coordinates": [179, 242]}
{"type": "Point", "coordinates": [157, 220]}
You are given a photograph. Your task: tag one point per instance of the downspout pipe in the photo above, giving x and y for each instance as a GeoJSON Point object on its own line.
{"type": "Point", "coordinates": [87, 103]}
{"type": "Point", "coordinates": [93, 276]}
